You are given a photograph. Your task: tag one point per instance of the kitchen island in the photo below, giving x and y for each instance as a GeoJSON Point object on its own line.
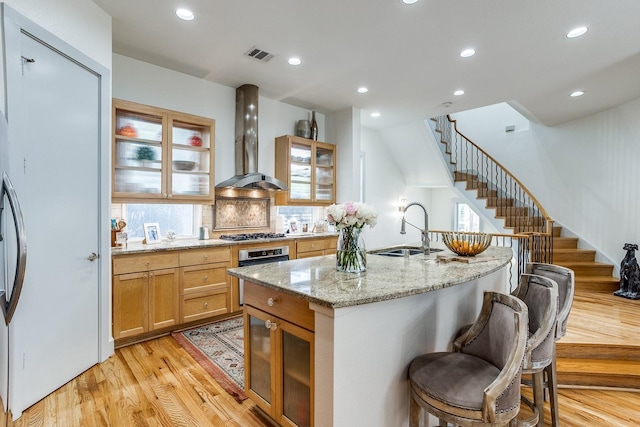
{"type": "Point", "coordinates": [368, 327]}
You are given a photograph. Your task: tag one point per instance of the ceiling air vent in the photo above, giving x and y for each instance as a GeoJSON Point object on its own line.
{"type": "Point", "coordinates": [259, 54]}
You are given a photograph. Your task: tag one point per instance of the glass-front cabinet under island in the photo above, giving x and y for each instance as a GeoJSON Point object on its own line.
{"type": "Point", "coordinates": [161, 154]}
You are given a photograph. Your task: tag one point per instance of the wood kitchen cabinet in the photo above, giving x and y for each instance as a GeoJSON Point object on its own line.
{"type": "Point", "coordinates": [161, 291]}
{"type": "Point", "coordinates": [161, 154]}
{"type": "Point", "coordinates": [306, 248]}
{"type": "Point", "coordinates": [279, 355]}
{"type": "Point", "coordinates": [204, 284]}
{"type": "Point", "coordinates": [308, 168]}
{"type": "Point", "coordinates": [145, 294]}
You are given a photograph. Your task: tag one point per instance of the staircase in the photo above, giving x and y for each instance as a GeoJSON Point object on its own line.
{"type": "Point", "coordinates": [600, 348]}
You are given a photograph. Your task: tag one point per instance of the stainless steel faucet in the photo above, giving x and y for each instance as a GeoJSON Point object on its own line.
{"type": "Point", "coordinates": [425, 232]}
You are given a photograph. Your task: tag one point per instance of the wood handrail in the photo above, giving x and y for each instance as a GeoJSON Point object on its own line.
{"type": "Point", "coordinates": [540, 207]}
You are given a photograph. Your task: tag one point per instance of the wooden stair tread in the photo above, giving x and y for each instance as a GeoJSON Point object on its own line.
{"type": "Point", "coordinates": [572, 250]}
{"type": "Point", "coordinates": [592, 350]}
{"type": "Point", "coordinates": [601, 366]}
{"type": "Point", "coordinates": [598, 279]}
{"type": "Point", "coordinates": [582, 264]}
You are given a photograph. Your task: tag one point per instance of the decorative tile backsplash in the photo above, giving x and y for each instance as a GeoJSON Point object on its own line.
{"type": "Point", "coordinates": [241, 212]}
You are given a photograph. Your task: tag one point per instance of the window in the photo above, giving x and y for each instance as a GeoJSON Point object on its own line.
{"type": "Point", "coordinates": [466, 219]}
{"type": "Point", "coordinates": [301, 215]}
{"type": "Point", "coordinates": [184, 219]}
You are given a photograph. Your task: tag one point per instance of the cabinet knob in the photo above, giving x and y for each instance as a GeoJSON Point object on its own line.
{"type": "Point", "coordinates": [206, 257]}
{"type": "Point", "coordinates": [144, 276]}
{"type": "Point", "coordinates": [205, 278]}
{"type": "Point", "coordinates": [206, 304]}
{"type": "Point", "coordinates": [151, 275]}
{"type": "Point", "coordinates": [270, 302]}
{"type": "Point", "coordinates": [270, 325]}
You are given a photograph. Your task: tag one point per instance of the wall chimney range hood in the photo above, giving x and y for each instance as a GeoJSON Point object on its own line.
{"type": "Point", "coordinates": [246, 149]}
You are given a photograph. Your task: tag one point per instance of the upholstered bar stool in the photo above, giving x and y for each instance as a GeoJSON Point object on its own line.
{"type": "Point", "coordinates": [540, 294]}
{"type": "Point", "coordinates": [478, 384]}
{"type": "Point", "coordinates": [565, 279]}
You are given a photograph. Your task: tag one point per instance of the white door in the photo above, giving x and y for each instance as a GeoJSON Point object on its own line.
{"type": "Point", "coordinates": [55, 331]}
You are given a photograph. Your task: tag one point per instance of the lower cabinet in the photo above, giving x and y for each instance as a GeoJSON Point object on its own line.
{"type": "Point", "coordinates": [279, 353]}
{"type": "Point", "coordinates": [146, 299]}
{"type": "Point", "coordinates": [161, 291]}
{"type": "Point", "coordinates": [306, 248]}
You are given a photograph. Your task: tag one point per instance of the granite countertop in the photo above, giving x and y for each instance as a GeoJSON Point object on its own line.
{"type": "Point", "coordinates": [181, 244]}
{"type": "Point", "coordinates": [316, 279]}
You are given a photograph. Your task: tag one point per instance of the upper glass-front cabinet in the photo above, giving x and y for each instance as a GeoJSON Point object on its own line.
{"type": "Point", "coordinates": [308, 169]}
{"type": "Point", "coordinates": [161, 154]}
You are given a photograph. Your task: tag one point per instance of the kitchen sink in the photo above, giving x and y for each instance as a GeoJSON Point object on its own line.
{"type": "Point", "coordinates": [402, 252]}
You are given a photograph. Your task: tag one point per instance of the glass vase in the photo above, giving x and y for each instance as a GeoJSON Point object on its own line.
{"type": "Point", "coordinates": [351, 254]}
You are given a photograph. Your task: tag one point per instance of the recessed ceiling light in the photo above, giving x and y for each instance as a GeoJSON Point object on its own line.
{"type": "Point", "coordinates": [577, 93]}
{"type": "Point", "coordinates": [376, 114]}
{"type": "Point", "coordinates": [577, 32]}
{"type": "Point", "coordinates": [467, 53]}
{"type": "Point", "coordinates": [185, 14]}
{"type": "Point", "coordinates": [409, 1]}
{"type": "Point", "coordinates": [363, 90]}
{"type": "Point", "coordinates": [295, 61]}
{"type": "Point", "coordinates": [458, 92]}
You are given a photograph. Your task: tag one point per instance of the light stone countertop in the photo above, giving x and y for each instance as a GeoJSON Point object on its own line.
{"type": "Point", "coordinates": [181, 244]}
{"type": "Point", "coordinates": [317, 280]}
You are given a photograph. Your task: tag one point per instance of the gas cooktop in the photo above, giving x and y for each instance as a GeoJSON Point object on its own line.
{"type": "Point", "coordinates": [251, 236]}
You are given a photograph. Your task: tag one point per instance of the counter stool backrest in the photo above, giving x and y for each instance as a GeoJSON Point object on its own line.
{"type": "Point", "coordinates": [565, 279]}
{"type": "Point", "coordinates": [540, 294]}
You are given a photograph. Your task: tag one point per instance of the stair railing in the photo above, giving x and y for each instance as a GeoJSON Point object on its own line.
{"type": "Point", "coordinates": [504, 192]}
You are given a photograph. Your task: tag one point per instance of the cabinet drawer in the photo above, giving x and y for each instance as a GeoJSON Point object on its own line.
{"type": "Point", "coordinates": [199, 306]}
{"type": "Point", "coordinates": [310, 254]}
{"type": "Point", "coordinates": [144, 262]}
{"type": "Point", "coordinates": [287, 307]}
{"type": "Point", "coordinates": [204, 278]}
{"type": "Point", "coordinates": [309, 245]}
{"type": "Point", "coordinates": [205, 256]}
{"type": "Point", "coordinates": [331, 243]}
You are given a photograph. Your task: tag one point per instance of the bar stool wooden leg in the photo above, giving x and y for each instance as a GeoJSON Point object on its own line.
{"type": "Point", "coordinates": [552, 384]}
{"type": "Point", "coordinates": [538, 395]}
{"type": "Point", "coordinates": [414, 412]}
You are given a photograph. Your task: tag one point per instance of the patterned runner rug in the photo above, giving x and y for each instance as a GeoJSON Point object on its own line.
{"type": "Point", "coordinates": [219, 348]}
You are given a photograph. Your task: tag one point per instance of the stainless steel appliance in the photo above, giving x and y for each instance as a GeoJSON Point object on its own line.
{"type": "Point", "coordinates": [251, 236]}
{"type": "Point", "coordinates": [256, 256]}
{"type": "Point", "coordinates": [13, 256]}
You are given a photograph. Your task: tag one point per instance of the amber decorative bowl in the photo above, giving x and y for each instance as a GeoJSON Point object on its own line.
{"type": "Point", "coordinates": [466, 244]}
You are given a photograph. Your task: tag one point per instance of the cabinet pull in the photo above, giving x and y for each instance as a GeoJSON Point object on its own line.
{"type": "Point", "coordinates": [271, 301]}
{"type": "Point", "coordinates": [206, 257]}
{"type": "Point", "coordinates": [270, 325]}
{"type": "Point", "coordinates": [206, 304]}
{"type": "Point", "coordinates": [205, 278]}
{"type": "Point", "coordinates": [145, 276]}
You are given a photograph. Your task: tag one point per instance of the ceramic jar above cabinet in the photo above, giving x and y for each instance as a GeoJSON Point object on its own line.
{"type": "Point", "coordinates": [308, 169]}
{"type": "Point", "coordinates": [161, 154]}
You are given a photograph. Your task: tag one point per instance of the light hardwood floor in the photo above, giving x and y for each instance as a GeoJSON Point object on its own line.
{"type": "Point", "coordinates": [156, 383]}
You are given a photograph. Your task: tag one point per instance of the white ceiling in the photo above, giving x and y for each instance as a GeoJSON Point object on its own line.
{"type": "Point", "coordinates": [407, 55]}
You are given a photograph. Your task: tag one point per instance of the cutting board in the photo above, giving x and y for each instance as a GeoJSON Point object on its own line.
{"type": "Point", "coordinates": [466, 259]}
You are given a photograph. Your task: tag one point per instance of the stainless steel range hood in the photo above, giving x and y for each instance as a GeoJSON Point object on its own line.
{"type": "Point", "coordinates": [247, 175]}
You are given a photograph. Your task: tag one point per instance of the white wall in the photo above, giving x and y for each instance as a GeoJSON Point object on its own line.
{"type": "Point", "coordinates": [583, 172]}
{"type": "Point", "coordinates": [144, 83]}
{"type": "Point", "coordinates": [384, 185]}
{"type": "Point", "coordinates": [80, 23]}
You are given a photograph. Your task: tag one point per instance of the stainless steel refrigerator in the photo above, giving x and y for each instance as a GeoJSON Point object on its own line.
{"type": "Point", "coordinates": [13, 251]}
